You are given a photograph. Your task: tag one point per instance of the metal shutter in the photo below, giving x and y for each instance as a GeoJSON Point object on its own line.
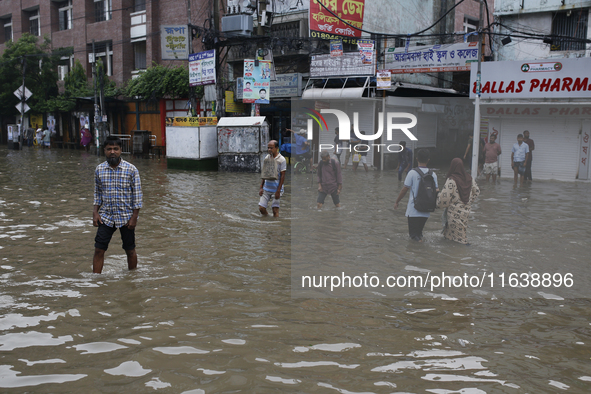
{"type": "Point", "coordinates": [557, 146]}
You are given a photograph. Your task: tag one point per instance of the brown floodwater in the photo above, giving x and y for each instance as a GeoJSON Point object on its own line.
{"type": "Point", "coordinates": [216, 304]}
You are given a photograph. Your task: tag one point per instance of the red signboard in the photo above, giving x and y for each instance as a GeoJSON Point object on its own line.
{"type": "Point", "coordinates": [344, 22]}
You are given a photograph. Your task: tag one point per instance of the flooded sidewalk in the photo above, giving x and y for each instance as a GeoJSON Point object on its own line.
{"type": "Point", "coordinates": [213, 308]}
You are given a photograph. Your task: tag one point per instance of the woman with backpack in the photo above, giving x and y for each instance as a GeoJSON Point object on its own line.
{"type": "Point", "coordinates": [457, 196]}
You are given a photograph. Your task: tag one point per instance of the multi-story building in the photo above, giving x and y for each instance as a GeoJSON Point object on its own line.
{"type": "Point", "coordinates": [540, 83]}
{"type": "Point", "coordinates": [126, 33]}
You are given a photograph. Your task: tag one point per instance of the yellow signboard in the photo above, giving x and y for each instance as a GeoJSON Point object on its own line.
{"type": "Point", "coordinates": [191, 121]}
{"type": "Point", "coordinates": [36, 120]}
{"type": "Point", "coordinates": [232, 106]}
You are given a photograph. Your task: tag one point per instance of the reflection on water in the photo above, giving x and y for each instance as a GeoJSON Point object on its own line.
{"type": "Point", "coordinates": [209, 309]}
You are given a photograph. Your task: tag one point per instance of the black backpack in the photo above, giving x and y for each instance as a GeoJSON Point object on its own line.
{"type": "Point", "coordinates": [334, 168]}
{"type": "Point", "coordinates": [426, 198]}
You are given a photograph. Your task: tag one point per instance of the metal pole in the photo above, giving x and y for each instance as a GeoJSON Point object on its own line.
{"type": "Point", "coordinates": [23, 98]}
{"type": "Point", "coordinates": [191, 88]}
{"type": "Point", "coordinates": [476, 134]}
{"type": "Point", "coordinates": [96, 132]}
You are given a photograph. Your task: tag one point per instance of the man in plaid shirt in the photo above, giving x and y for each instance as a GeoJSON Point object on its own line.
{"type": "Point", "coordinates": [117, 203]}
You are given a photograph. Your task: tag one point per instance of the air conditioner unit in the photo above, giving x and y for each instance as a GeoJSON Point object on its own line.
{"type": "Point", "coordinates": [237, 25]}
{"type": "Point", "coordinates": [62, 72]}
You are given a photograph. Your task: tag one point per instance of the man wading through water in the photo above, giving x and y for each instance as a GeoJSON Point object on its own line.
{"type": "Point", "coordinates": [117, 203]}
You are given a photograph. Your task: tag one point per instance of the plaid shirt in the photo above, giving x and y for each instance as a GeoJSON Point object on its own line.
{"type": "Point", "coordinates": [118, 191]}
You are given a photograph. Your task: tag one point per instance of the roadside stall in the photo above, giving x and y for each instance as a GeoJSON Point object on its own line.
{"type": "Point", "coordinates": [191, 143]}
{"type": "Point", "coordinates": [242, 143]}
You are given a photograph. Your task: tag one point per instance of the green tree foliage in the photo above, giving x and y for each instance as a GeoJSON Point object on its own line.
{"type": "Point", "coordinates": [40, 75]}
{"type": "Point", "coordinates": [76, 85]}
{"type": "Point", "coordinates": [160, 82]}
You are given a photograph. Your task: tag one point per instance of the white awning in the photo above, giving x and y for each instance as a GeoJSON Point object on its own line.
{"type": "Point", "coordinates": [345, 93]}
{"type": "Point", "coordinates": [242, 121]}
{"type": "Point", "coordinates": [311, 93]}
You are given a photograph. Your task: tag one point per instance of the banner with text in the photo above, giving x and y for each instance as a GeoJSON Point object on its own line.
{"type": "Point", "coordinates": [560, 78]}
{"type": "Point", "coordinates": [436, 58]}
{"type": "Point", "coordinates": [348, 64]}
{"type": "Point", "coordinates": [174, 42]}
{"type": "Point", "coordinates": [346, 23]}
{"type": "Point", "coordinates": [202, 68]}
{"type": "Point", "coordinates": [257, 82]}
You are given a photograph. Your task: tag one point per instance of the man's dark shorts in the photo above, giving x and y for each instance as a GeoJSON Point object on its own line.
{"type": "Point", "coordinates": [322, 196]}
{"type": "Point", "coordinates": [104, 234]}
{"type": "Point", "coordinates": [520, 167]}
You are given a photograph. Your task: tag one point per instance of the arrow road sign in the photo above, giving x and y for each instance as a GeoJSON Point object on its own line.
{"type": "Point", "coordinates": [18, 106]}
{"type": "Point", "coordinates": [19, 93]}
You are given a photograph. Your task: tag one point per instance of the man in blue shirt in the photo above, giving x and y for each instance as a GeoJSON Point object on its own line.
{"type": "Point", "coordinates": [302, 147]}
{"type": "Point", "coordinates": [416, 219]}
{"type": "Point", "coordinates": [117, 203]}
{"type": "Point", "coordinates": [519, 158]}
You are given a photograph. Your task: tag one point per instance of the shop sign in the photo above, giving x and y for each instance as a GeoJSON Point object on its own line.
{"type": "Point", "coordinates": [190, 121]}
{"type": "Point", "coordinates": [436, 58]}
{"type": "Point", "coordinates": [566, 78]}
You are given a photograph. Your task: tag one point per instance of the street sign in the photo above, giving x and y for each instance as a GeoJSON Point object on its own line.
{"type": "Point", "coordinates": [18, 106]}
{"type": "Point", "coordinates": [19, 93]}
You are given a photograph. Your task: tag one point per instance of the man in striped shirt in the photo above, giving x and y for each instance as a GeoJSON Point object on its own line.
{"type": "Point", "coordinates": [117, 203]}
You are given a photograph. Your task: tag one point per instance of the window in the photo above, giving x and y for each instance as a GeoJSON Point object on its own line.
{"type": "Point", "coordinates": [571, 29]}
{"type": "Point", "coordinates": [34, 27]}
{"type": "Point", "coordinates": [471, 26]}
{"type": "Point", "coordinates": [64, 66]}
{"type": "Point", "coordinates": [104, 54]}
{"type": "Point", "coordinates": [102, 10]}
{"type": "Point", "coordinates": [139, 55]}
{"type": "Point", "coordinates": [139, 5]}
{"type": "Point", "coordinates": [65, 15]}
{"type": "Point", "coordinates": [7, 22]}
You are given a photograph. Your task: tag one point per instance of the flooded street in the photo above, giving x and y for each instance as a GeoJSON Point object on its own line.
{"type": "Point", "coordinates": [216, 304]}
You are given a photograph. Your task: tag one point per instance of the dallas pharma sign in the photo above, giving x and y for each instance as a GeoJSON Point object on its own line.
{"type": "Point", "coordinates": [402, 121]}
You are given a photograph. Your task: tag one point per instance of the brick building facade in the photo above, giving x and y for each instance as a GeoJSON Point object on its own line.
{"type": "Point", "coordinates": [126, 32]}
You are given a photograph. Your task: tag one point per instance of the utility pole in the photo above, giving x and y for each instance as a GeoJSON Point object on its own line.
{"type": "Point", "coordinates": [191, 88]}
{"type": "Point", "coordinates": [23, 98]}
{"type": "Point", "coordinates": [218, 61]}
{"type": "Point", "coordinates": [476, 134]}
{"type": "Point", "coordinates": [96, 132]}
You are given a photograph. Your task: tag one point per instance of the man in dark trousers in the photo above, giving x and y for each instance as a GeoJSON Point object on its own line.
{"type": "Point", "coordinates": [330, 180]}
{"type": "Point", "coordinates": [117, 203]}
{"type": "Point", "coordinates": [532, 146]}
{"type": "Point", "coordinates": [416, 219]}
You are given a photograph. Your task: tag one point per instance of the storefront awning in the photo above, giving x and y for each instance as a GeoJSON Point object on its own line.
{"type": "Point", "coordinates": [342, 92]}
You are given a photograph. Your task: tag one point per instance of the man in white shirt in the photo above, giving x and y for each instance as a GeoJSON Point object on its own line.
{"type": "Point", "coordinates": [519, 159]}
{"type": "Point", "coordinates": [273, 189]}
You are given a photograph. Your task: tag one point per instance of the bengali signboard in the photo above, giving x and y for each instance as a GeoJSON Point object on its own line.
{"type": "Point", "coordinates": [287, 85]}
{"type": "Point", "coordinates": [383, 80]}
{"type": "Point", "coordinates": [436, 58]}
{"type": "Point", "coordinates": [191, 121]}
{"type": "Point", "coordinates": [174, 42]}
{"type": "Point", "coordinates": [257, 82]}
{"type": "Point", "coordinates": [202, 68]}
{"type": "Point", "coordinates": [348, 64]}
{"type": "Point", "coordinates": [336, 48]}
{"type": "Point", "coordinates": [325, 25]}
{"type": "Point", "coordinates": [366, 51]}
{"type": "Point", "coordinates": [232, 106]}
